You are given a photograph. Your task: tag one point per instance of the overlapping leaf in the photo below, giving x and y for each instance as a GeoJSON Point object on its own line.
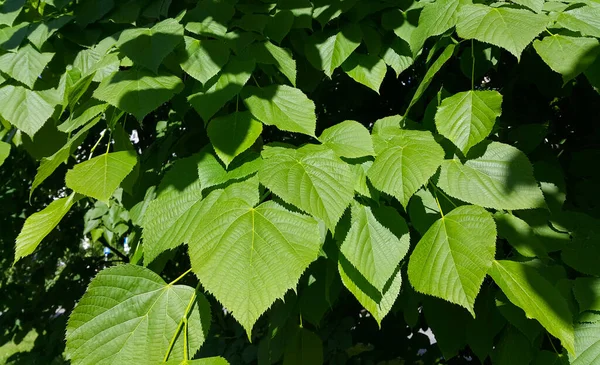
{"type": "Point", "coordinates": [348, 139]}
{"type": "Point", "coordinates": [569, 56]}
{"type": "Point", "coordinates": [24, 108]}
{"type": "Point", "coordinates": [233, 134]}
{"type": "Point", "coordinates": [329, 53]}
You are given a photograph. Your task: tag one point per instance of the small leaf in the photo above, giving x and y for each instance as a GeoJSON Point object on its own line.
{"type": "Point", "coordinates": [453, 256]}
{"type": "Point", "coordinates": [211, 172]}
{"type": "Point", "coordinates": [233, 134]}
{"type": "Point", "coordinates": [138, 91]}
{"type": "Point", "coordinates": [569, 56]}
{"type": "Point", "coordinates": [501, 177]}
{"type": "Point", "coordinates": [12, 37]}
{"type": "Point", "coordinates": [398, 56]}
{"type": "Point", "coordinates": [376, 242]}
{"type": "Point", "coordinates": [368, 70]}
{"type": "Point", "coordinates": [467, 118]}
{"type": "Point", "coordinates": [248, 257]}
{"type": "Point", "coordinates": [584, 19]}
{"type": "Point", "coordinates": [149, 46]}
{"type": "Point", "coordinates": [44, 30]}
{"type": "Point", "coordinates": [25, 109]}
{"type": "Point", "coordinates": [348, 139]}
{"type": "Point", "coordinates": [329, 53]}
{"type": "Point", "coordinates": [408, 161]}
{"type": "Point", "coordinates": [304, 348]}
{"type": "Point", "coordinates": [102, 175]}
{"type": "Point", "coordinates": [204, 59]}
{"type": "Point", "coordinates": [530, 291]}
{"type": "Point", "coordinates": [26, 65]}
{"type": "Point", "coordinates": [312, 178]}
{"type": "Point", "coordinates": [40, 224]}
{"type": "Point", "coordinates": [129, 314]}
{"type": "Point", "coordinates": [4, 151]}
{"type": "Point", "coordinates": [9, 10]}
{"type": "Point", "coordinates": [436, 18]}
{"type": "Point", "coordinates": [270, 54]}
{"type": "Point", "coordinates": [285, 107]}
{"type": "Point", "coordinates": [209, 98]}
{"type": "Point", "coordinates": [508, 28]}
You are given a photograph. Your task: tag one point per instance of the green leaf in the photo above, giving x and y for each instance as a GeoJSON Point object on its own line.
{"type": "Point", "coordinates": [40, 224]}
{"type": "Point", "coordinates": [4, 151]}
{"type": "Point", "coordinates": [376, 242]}
{"type": "Point", "coordinates": [530, 291]}
{"type": "Point", "coordinates": [43, 31]}
{"type": "Point", "coordinates": [217, 360]}
{"type": "Point", "coordinates": [233, 134]}
{"type": "Point", "coordinates": [508, 28]}
{"type": "Point", "coordinates": [452, 258]}
{"type": "Point", "coordinates": [82, 115]}
{"type": "Point", "coordinates": [328, 53]}
{"type": "Point", "coordinates": [9, 10]}
{"type": "Point", "coordinates": [467, 118]}
{"type": "Point", "coordinates": [348, 139]}
{"type": "Point", "coordinates": [248, 257]}
{"type": "Point", "coordinates": [583, 249]}
{"type": "Point", "coordinates": [378, 304]}
{"type": "Point", "coordinates": [204, 59]}
{"type": "Point", "coordinates": [584, 19]}
{"type": "Point", "coordinates": [368, 70]}
{"type": "Point", "coordinates": [587, 341]}
{"type": "Point", "coordinates": [304, 348]}
{"type": "Point", "coordinates": [102, 175]}
{"type": "Point", "coordinates": [535, 5]}
{"type": "Point", "coordinates": [212, 173]}
{"type": "Point", "coordinates": [312, 178]}
{"type": "Point", "coordinates": [587, 293]}
{"type": "Point", "coordinates": [129, 314]}
{"type": "Point", "coordinates": [569, 56]}
{"type": "Point", "coordinates": [448, 324]}
{"type": "Point", "coordinates": [88, 12]}
{"type": "Point", "coordinates": [279, 25]}
{"type": "Point", "coordinates": [520, 235]}
{"type": "Point", "coordinates": [12, 37]}
{"type": "Point", "coordinates": [398, 56]}
{"type": "Point", "coordinates": [436, 18]}
{"type": "Point", "coordinates": [408, 161]}
{"type": "Point", "coordinates": [209, 18]}
{"type": "Point", "coordinates": [138, 91]}
{"type": "Point", "coordinates": [212, 96]}
{"type": "Point", "coordinates": [26, 65]}
{"type": "Point", "coordinates": [270, 54]}
{"type": "Point", "coordinates": [512, 348]}
{"type": "Point", "coordinates": [25, 109]}
{"type": "Point", "coordinates": [500, 177]}
{"type": "Point", "coordinates": [285, 107]}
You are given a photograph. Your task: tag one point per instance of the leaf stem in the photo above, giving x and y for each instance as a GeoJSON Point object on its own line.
{"type": "Point", "coordinates": [180, 324]}
{"type": "Point", "coordinates": [436, 199]}
{"type": "Point", "coordinates": [96, 144]}
{"type": "Point", "coordinates": [180, 277]}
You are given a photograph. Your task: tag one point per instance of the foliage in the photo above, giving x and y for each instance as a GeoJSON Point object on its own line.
{"type": "Point", "coordinates": [331, 210]}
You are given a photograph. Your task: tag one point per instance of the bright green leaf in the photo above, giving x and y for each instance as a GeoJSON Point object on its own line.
{"type": "Point", "coordinates": [436, 18]}
{"type": "Point", "coordinates": [285, 107]}
{"type": "Point", "coordinates": [44, 30]}
{"type": "Point", "coordinates": [12, 37]}
{"type": "Point", "coordinates": [530, 291]}
{"type": "Point", "coordinates": [508, 28]}
{"type": "Point", "coordinates": [368, 70]}
{"type": "Point", "coordinates": [312, 178]}
{"type": "Point", "coordinates": [467, 118]}
{"type": "Point", "coordinates": [500, 177]}
{"type": "Point", "coordinates": [25, 109]}
{"type": "Point", "coordinates": [584, 19]}
{"type": "Point", "coordinates": [204, 59]}
{"type": "Point", "coordinates": [233, 134]}
{"type": "Point", "coordinates": [348, 139]}
{"type": "Point", "coordinates": [138, 91]}
{"type": "Point", "coordinates": [398, 56]}
{"type": "Point", "coordinates": [376, 242]}
{"type": "Point", "coordinates": [40, 224]}
{"type": "Point", "coordinates": [587, 341]}
{"type": "Point", "coordinates": [248, 257]}
{"type": "Point", "coordinates": [9, 10]}
{"type": "Point", "coordinates": [535, 5]}
{"type": "Point", "coordinates": [569, 56]}
{"type": "Point", "coordinates": [4, 151]}
{"type": "Point", "coordinates": [102, 175]}
{"type": "Point", "coordinates": [453, 256]}
{"type": "Point", "coordinates": [26, 65]}
{"type": "Point", "coordinates": [129, 315]}
{"type": "Point", "coordinates": [410, 159]}
{"type": "Point", "coordinates": [211, 171]}
{"type": "Point", "coordinates": [329, 53]}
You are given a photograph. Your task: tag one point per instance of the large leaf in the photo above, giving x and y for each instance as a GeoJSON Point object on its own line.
{"type": "Point", "coordinates": [501, 177]}
{"type": "Point", "coordinates": [587, 341]}
{"type": "Point", "coordinates": [40, 224]}
{"type": "Point", "coordinates": [285, 107]}
{"type": "Point", "coordinates": [569, 56]}
{"type": "Point", "coordinates": [467, 118]}
{"type": "Point", "coordinates": [211, 97]}
{"type": "Point", "coordinates": [102, 175]}
{"type": "Point", "coordinates": [138, 91]}
{"type": "Point", "coordinates": [376, 242]}
{"type": "Point", "coordinates": [329, 53]}
{"type": "Point", "coordinates": [408, 161]}
{"type": "Point", "coordinates": [436, 18]}
{"type": "Point", "coordinates": [530, 291]}
{"type": "Point", "coordinates": [584, 19]}
{"type": "Point", "coordinates": [23, 108]}
{"type": "Point", "coordinates": [508, 28]}
{"type": "Point", "coordinates": [26, 65]}
{"type": "Point", "coordinates": [248, 257]}
{"type": "Point", "coordinates": [312, 178]}
{"type": "Point", "coordinates": [149, 46]}
{"type": "Point", "coordinates": [453, 256]}
{"type": "Point", "coordinates": [233, 134]}
{"type": "Point", "coordinates": [129, 315]}
{"type": "Point", "coordinates": [348, 139]}
{"type": "Point", "coordinates": [204, 59]}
